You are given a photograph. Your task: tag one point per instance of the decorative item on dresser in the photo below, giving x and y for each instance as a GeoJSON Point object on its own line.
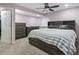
{"type": "Point", "coordinates": [50, 48]}
{"type": "Point", "coordinates": [20, 29]}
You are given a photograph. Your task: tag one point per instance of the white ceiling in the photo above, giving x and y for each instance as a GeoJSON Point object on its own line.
{"type": "Point", "coordinates": [21, 12]}
{"type": "Point", "coordinates": [34, 6]}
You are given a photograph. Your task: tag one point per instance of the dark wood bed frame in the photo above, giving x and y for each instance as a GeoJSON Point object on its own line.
{"type": "Point", "coordinates": [50, 49]}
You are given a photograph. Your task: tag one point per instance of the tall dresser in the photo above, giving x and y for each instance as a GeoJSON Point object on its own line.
{"type": "Point", "coordinates": [20, 29]}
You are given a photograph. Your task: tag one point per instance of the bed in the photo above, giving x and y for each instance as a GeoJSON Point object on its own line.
{"type": "Point", "coordinates": [58, 39]}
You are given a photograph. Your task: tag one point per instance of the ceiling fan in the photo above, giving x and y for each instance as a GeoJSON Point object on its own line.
{"type": "Point", "coordinates": [46, 6]}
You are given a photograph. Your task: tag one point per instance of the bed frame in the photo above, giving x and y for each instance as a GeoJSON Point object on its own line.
{"type": "Point", "coordinates": [49, 48]}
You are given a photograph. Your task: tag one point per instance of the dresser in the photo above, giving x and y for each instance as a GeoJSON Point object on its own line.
{"type": "Point", "coordinates": [20, 29]}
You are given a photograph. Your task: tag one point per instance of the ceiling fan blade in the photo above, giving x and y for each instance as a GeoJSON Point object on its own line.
{"type": "Point", "coordinates": [54, 6]}
{"type": "Point", "coordinates": [51, 9]}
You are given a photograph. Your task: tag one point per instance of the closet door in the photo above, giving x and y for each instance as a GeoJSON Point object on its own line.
{"type": "Point", "coordinates": [7, 25]}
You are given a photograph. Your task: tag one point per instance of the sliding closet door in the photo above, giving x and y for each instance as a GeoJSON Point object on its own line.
{"type": "Point", "coordinates": [7, 26]}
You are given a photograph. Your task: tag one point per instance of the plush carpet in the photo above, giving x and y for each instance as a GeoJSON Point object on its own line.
{"type": "Point", "coordinates": [20, 47]}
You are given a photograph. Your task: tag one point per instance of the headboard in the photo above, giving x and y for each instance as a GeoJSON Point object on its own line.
{"type": "Point", "coordinates": [56, 24]}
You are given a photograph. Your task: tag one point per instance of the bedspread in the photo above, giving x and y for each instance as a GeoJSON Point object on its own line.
{"type": "Point", "coordinates": [62, 38]}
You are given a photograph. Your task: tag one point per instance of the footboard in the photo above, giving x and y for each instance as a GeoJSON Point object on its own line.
{"type": "Point", "coordinates": [50, 49]}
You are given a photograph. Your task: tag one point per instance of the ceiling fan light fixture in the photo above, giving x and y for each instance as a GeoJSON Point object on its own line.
{"type": "Point", "coordinates": [38, 15]}
{"type": "Point", "coordinates": [66, 5]}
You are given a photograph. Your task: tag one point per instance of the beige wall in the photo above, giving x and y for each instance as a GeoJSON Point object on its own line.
{"type": "Point", "coordinates": [67, 14]}
{"type": "Point", "coordinates": [31, 21]}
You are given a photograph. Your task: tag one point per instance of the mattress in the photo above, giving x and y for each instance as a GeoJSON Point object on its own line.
{"type": "Point", "coordinates": [63, 39]}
